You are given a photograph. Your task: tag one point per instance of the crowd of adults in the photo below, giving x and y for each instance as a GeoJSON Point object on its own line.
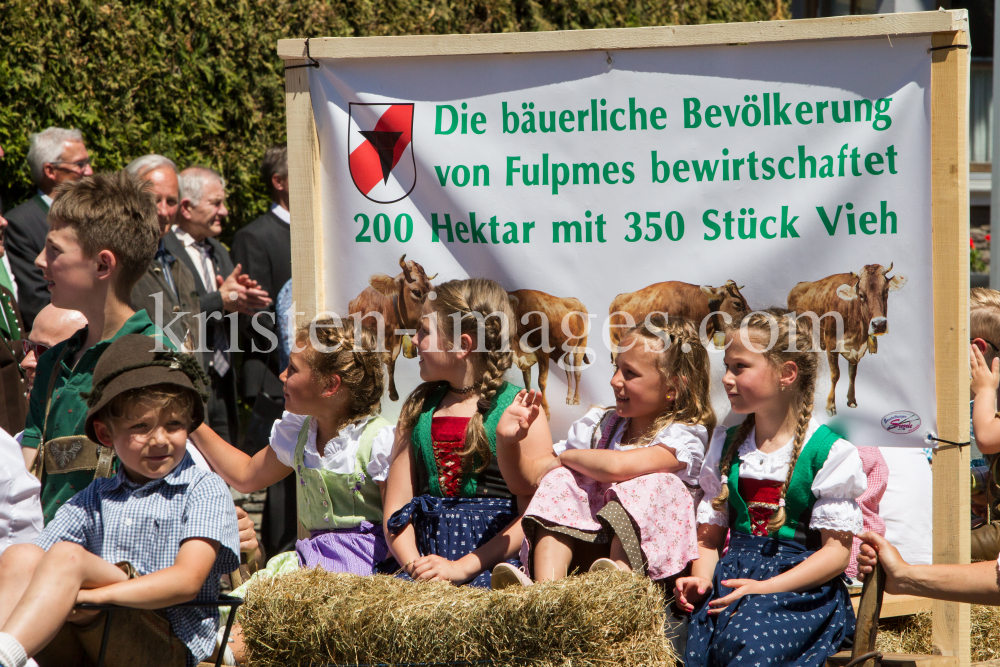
{"type": "Point", "coordinates": [195, 289]}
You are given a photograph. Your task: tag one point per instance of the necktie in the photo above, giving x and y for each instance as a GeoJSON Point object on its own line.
{"type": "Point", "coordinates": [220, 344]}
{"type": "Point", "coordinates": [166, 261]}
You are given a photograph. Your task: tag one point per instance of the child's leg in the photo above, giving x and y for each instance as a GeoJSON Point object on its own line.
{"type": "Point", "coordinates": [619, 556]}
{"type": "Point", "coordinates": [17, 565]}
{"type": "Point", "coordinates": [49, 598]}
{"type": "Point", "coordinates": [553, 555]}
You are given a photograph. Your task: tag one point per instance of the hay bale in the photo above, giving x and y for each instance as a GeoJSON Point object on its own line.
{"type": "Point", "coordinates": [312, 617]}
{"type": "Point", "coordinates": [912, 634]}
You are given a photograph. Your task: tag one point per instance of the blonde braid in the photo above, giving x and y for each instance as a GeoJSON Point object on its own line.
{"type": "Point", "coordinates": [726, 464]}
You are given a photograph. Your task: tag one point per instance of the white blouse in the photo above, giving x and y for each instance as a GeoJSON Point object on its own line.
{"type": "Point", "coordinates": [684, 441]}
{"type": "Point", "coordinates": [20, 506]}
{"type": "Point", "coordinates": [836, 486]}
{"type": "Point", "coordinates": [340, 453]}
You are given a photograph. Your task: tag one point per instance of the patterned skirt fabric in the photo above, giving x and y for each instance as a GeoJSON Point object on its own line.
{"type": "Point", "coordinates": [454, 527]}
{"type": "Point", "coordinates": [349, 550]}
{"type": "Point", "coordinates": [658, 506]}
{"type": "Point", "coordinates": [801, 629]}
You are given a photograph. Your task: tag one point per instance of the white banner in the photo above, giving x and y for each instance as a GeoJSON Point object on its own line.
{"type": "Point", "coordinates": [682, 180]}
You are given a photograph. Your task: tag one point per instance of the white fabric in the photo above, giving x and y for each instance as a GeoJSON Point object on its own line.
{"type": "Point", "coordinates": [836, 486]}
{"type": "Point", "coordinates": [340, 453]}
{"type": "Point", "coordinates": [20, 505]}
{"type": "Point", "coordinates": [197, 251]}
{"type": "Point", "coordinates": [199, 459]}
{"type": "Point", "coordinates": [685, 441]}
{"type": "Point", "coordinates": [282, 214]}
{"type": "Point", "coordinates": [907, 506]}
{"type": "Point", "coordinates": [45, 198]}
{"type": "Point", "coordinates": [10, 274]}
{"type": "Point", "coordinates": [11, 652]}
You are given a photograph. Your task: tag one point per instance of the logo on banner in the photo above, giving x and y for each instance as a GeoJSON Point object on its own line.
{"type": "Point", "coordinates": [380, 150]}
{"type": "Point", "coordinates": [901, 421]}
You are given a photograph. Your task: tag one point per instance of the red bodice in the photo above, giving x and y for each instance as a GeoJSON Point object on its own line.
{"type": "Point", "coordinates": [448, 437]}
{"type": "Point", "coordinates": [761, 497]}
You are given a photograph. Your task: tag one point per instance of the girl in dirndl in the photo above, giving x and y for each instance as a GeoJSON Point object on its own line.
{"type": "Point", "coordinates": [784, 488]}
{"type": "Point", "coordinates": [452, 508]}
{"type": "Point", "coordinates": [620, 491]}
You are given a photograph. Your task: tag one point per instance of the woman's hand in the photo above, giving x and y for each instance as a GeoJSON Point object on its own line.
{"type": "Point", "coordinates": [985, 379]}
{"type": "Point", "coordinates": [436, 568]}
{"type": "Point", "coordinates": [519, 416]}
{"type": "Point", "coordinates": [691, 591]}
{"type": "Point", "coordinates": [742, 587]}
{"type": "Point", "coordinates": [876, 549]}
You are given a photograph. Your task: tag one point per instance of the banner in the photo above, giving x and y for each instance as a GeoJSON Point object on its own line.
{"type": "Point", "coordinates": [694, 181]}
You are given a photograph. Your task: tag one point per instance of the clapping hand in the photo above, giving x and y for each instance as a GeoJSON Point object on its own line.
{"type": "Point", "coordinates": [241, 294]}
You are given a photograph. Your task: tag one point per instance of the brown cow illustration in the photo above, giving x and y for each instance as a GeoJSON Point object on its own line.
{"type": "Point", "coordinates": [862, 300]}
{"type": "Point", "coordinates": [677, 299]}
{"type": "Point", "coordinates": [565, 322]}
{"type": "Point", "coordinates": [399, 301]}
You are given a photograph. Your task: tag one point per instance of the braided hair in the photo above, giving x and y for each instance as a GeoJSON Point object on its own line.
{"type": "Point", "coordinates": [353, 355]}
{"type": "Point", "coordinates": [683, 362]}
{"type": "Point", "coordinates": [792, 340]}
{"type": "Point", "coordinates": [482, 310]}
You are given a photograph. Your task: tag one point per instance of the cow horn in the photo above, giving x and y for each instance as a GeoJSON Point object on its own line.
{"type": "Point", "coordinates": [432, 277]}
{"type": "Point", "coordinates": [741, 287]}
{"type": "Point", "coordinates": [406, 271]}
{"type": "Point", "coordinates": [886, 272]}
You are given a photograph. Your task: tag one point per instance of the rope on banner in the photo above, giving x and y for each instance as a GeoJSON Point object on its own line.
{"type": "Point", "coordinates": [933, 48]}
{"type": "Point", "coordinates": [929, 438]}
{"type": "Point", "coordinates": [312, 61]}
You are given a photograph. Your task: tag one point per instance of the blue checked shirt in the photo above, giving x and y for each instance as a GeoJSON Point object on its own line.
{"type": "Point", "coordinates": [119, 520]}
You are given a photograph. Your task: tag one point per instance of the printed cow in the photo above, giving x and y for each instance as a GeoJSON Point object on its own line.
{"type": "Point", "coordinates": [399, 301]}
{"type": "Point", "coordinates": [555, 328]}
{"type": "Point", "coordinates": [694, 303]}
{"type": "Point", "coordinates": [862, 300]}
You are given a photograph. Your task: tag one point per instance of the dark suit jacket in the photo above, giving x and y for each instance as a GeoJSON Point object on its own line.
{"type": "Point", "coordinates": [186, 328]}
{"type": "Point", "coordinates": [25, 238]}
{"type": "Point", "coordinates": [264, 248]}
{"type": "Point", "coordinates": [13, 386]}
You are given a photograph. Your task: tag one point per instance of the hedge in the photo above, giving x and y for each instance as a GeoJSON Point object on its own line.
{"type": "Point", "coordinates": [199, 81]}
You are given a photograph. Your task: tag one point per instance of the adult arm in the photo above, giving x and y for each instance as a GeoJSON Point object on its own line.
{"type": "Point", "coordinates": [244, 473]}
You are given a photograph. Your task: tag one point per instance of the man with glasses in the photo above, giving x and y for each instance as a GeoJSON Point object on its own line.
{"type": "Point", "coordinates": [52, 325]}
{"type": "Point", "coordinates": [55, 155]}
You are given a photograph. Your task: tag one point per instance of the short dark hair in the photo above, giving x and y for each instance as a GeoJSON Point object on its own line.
{"type": "Point", "coordinates": [112, 211]}
{"type": "Point", "coordinates": [275, 163]}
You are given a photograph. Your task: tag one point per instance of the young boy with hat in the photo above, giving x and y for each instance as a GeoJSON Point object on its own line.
{"type": "Point", "coordinates": [103, 233]}
{"type": "Point", "coordinates": [158, 533]}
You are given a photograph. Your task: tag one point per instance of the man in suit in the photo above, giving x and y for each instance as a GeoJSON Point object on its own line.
{"type": "Point", "coordinates": [13, 384]}
{"type": "Point", "coordinates": [264, 248]}
{"type": "Point", "coordinates": [55, 155]}
{"type": "Point", "coordinates": [167, 291]}
{"type": "Point", "coordinates": [222, 288]}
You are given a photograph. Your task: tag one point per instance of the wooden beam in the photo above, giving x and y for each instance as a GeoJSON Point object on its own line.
{"type": "Point", "coordinates": [950, 247]}
{"type": "Point", "coordinates": [898, 605]}
{"type": "Point", "coordinates": [842, 27]}
{"type": "Point", "coordinates": [308, 276]}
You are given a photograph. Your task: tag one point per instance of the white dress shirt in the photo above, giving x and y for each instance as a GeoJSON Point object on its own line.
{"type": "Point", "coordinates": [282, 214]}
{"type": "Point", "coordinates": [198, 252]}
{"type": "Point", "coordinates": [20, 504]}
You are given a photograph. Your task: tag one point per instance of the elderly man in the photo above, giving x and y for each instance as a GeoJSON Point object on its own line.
{"type": "Point", "coordinates": [55, 155]}
{"type": "Point", "coordinates": [168, 291]}
{"type": "Point", "coordinates": [220, 285]}
{"type": "Point", "coordinates": [52, 325]}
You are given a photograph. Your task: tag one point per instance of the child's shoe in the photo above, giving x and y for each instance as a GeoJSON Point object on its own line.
{"type": "Point", "coordinates": [604, 564]}
{"type": "Point", "coordinates": [505, 575]}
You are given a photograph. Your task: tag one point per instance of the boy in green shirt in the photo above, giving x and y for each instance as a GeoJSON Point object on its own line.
{"type": "Point", "coordinates": [103, 233]}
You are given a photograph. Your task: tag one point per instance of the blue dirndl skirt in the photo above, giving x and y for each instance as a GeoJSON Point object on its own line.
{"type": "Point", "coordinates": [454, 527]}
{"type": "Point", "coordinates": [769, 629]}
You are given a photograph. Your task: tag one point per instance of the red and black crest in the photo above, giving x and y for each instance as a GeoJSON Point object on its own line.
{"type": "Point", "coordinates": [380, 150]}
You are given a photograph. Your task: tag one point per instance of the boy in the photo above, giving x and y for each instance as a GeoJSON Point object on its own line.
{"type": "Point", "coordinates": [984, 332]}
{"type": "Point", "coordinates": [103, 233]}
{"type": "Point", "coordinates": [159, 533]}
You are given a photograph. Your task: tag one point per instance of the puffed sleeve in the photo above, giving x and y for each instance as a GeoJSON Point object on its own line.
{"type": "Point", "coordinates": [580, 432]}
{"type": "Point", "coordinates": [378, 465]}
{"type": "Point", "coordinates": [687, 442]}
{"type": "Point", "coordinates": [711, 483]}
{"type": "Point", "coordinates": [837, 486]}
{"type": "Point", "coordinates": [285, 436]}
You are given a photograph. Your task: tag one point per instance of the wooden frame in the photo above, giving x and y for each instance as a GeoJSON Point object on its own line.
{"type": "Point", "coordinates": [949, 203]}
